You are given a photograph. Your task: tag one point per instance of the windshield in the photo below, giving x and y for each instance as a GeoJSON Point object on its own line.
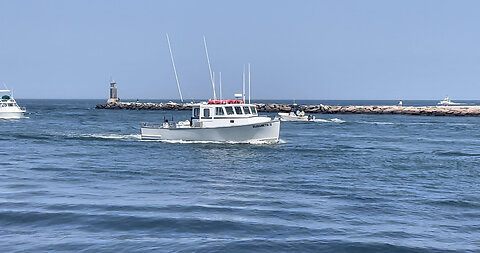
{"type": "Point", "coordinates": [254, 109]}
{"type": "Point", "coordinates": [229, 110]}
{"type": "Point", "coordinates": [246, 110]}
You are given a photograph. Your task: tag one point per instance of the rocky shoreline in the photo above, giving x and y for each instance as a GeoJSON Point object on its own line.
{"type": "Point", "coordinates": [471, 111]}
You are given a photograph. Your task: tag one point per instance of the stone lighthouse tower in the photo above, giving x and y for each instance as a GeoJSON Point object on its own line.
{"type": "Point", "coordinates": [113, 93]}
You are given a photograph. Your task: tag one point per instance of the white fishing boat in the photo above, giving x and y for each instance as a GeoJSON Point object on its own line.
{"type": "Point", "coordinates": [218, 121]}
{"type": "Point", "coordinates": [9, 108]}
{"type": "Point", "coordinates": [447, 101]}
{"type": "Point", "coordinates": [292, 116]}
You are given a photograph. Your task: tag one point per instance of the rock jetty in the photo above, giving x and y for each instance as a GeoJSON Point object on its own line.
{"type": "Point", "coordinates": [145, 106]}
{"type": "Point", "coordinates": [472, 111]}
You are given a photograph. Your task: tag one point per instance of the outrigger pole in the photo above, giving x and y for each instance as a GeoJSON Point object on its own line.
{"type": "Point", "coordinates": [220, 83]}
{"type": "Point", "coordinates": [243, 83]}
{"type": "Point", "coordinates": [249, 83]}
{"type": "Point", "coordinates": [210, 68]}
{"type": "Point", "coordinates": [174, 69]}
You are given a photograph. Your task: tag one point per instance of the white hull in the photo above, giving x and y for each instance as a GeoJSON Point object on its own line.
{"type": "Point", "coordinates": [267, 131]}
{"type": "Point", "coordinates": [11, 115]}
{"type": "Point", "coordinates": [449, 103]}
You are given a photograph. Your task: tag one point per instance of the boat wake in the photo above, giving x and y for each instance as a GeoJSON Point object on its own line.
{"type": "Point", "coordinates": [255, 142]}
{"type": "Point", "coordinates": [107, 136]}
{"type": "Point", "coordinates": [117, 136]}
{"type": "Point", "coordinates": [334, 120]}
{"type": "Point", "coordinates": [377, 122]}
{"type": "Point", "coordinates": [14, 118]}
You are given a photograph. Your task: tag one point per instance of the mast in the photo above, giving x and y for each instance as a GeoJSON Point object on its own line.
{"type": "Point", "coordinates": [210, 68]}
{"type": "Point", "coordinates": [249, 83]}
{"type": "Point", "coordinates": [243, 83]}
{"type": "Point", "coordinates": [174, 69]}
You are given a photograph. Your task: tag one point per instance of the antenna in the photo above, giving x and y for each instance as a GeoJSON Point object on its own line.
{"type": "Point", "coordinates": [243, 83]}
{"type": "Point", "coordinates": [209, 68]}
{"type": "Point", "coordinates": [221, 96]}
{"type": "Point", "coordinates": [249, 83]}
{"type": "Point", "coordinates": [174, 69]}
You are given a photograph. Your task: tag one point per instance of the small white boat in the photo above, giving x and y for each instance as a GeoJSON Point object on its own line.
{"type": "Point", "coordinates": [218, 121]}
{"type": "Point", "coordinates": [447, 101]}
{"type": "Point", "coordinates": [9, 108]}
{"type": "Point", "coordinates": [294, 117]}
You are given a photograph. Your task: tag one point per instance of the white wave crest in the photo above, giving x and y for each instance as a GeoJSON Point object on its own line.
{"type": "Point", "coordinates": [115, 136]}
{"type": "Point", "coordinates": [334, 120]}
{"type": "Point", "coordinates": [106, 136]}
{"type": "Point", "coordinates": [337, 120]}
{"type": "Point", "coordinates": [377, 122]}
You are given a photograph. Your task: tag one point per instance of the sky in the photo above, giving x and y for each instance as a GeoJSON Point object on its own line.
{"type": "Point", "coordinates": [323, 49]}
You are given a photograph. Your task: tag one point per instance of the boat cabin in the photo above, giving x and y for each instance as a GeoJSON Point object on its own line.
{"type": "Point", "coordinates": [221, 113]}
{"type": "Point", "coordinates": [7, 101]}
{"type": "Point", "coordinates": [212, 111]}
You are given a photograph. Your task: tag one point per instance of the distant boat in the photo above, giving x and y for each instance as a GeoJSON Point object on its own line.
{"type": "Point", "coordinates": [447, 101]}
{"type": "Point", "coordinates": [9, 108]}
{"type": "Point", "coordinates": [294, 117]}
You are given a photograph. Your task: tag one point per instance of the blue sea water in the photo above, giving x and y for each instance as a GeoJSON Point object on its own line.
{"type": "Point", "coordinates": [74, 178]}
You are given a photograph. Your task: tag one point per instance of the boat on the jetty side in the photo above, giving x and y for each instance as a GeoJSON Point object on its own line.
{"type": "Point", "coordinates": [447, 101]}
{"type": "Point", "coordinates": [292, 116]}
{"type": "Point", "coordinates": [9, 108]}
{"type": "Point", "coordinates": [218, 121]}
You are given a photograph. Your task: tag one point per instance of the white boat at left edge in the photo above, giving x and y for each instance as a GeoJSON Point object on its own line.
{"type": "Point", "coordinates": [9, 108]}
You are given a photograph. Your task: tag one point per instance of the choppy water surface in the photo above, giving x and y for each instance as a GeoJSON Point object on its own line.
{"type": "Point", "coordinates": [73, 178]}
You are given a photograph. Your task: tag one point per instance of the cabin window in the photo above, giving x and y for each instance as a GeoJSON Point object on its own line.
{"type": "Point", "coordinates": [238, 110]}
{"type": "Point", "coordinates": [206, 113]}
{"type": "Point", "coordinates": [254, 109]}
{"type": "Point", "coordinates": [246, 110]}
{"type": "Point", "coordinates": [219, 111]}
{"type": "Point", "coordinates": [229, 110]}
{"type": "Point", "coordinates": [10, 104]}
{"type": "Point", "coordinates": [196, 112]}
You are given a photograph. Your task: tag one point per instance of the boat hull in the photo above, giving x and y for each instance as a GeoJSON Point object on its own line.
{"type": "Point", "coordinates": [266, 131]}
{"type": "Point", "coordinates": [11, 115]}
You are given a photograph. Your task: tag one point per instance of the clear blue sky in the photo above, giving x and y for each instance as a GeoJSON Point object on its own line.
{"type": "Point", "coordinates": [334, 49]}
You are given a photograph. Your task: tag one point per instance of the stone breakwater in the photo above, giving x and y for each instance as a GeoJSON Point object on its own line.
{"type": "Point", "coordinates": [472, 111]}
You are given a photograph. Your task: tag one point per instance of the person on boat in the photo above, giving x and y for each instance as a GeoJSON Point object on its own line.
{"type": "Point", "coordinates": [302, 113]}
{"type": "Point", "coordinates": [297, 112]}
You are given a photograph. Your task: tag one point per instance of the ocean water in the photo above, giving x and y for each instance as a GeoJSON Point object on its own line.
{"type": "Point", "coordinates": [77, 179]}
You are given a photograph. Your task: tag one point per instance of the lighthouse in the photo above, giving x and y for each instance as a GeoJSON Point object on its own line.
{"type": "Point", "coordinates": [113, 93]}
